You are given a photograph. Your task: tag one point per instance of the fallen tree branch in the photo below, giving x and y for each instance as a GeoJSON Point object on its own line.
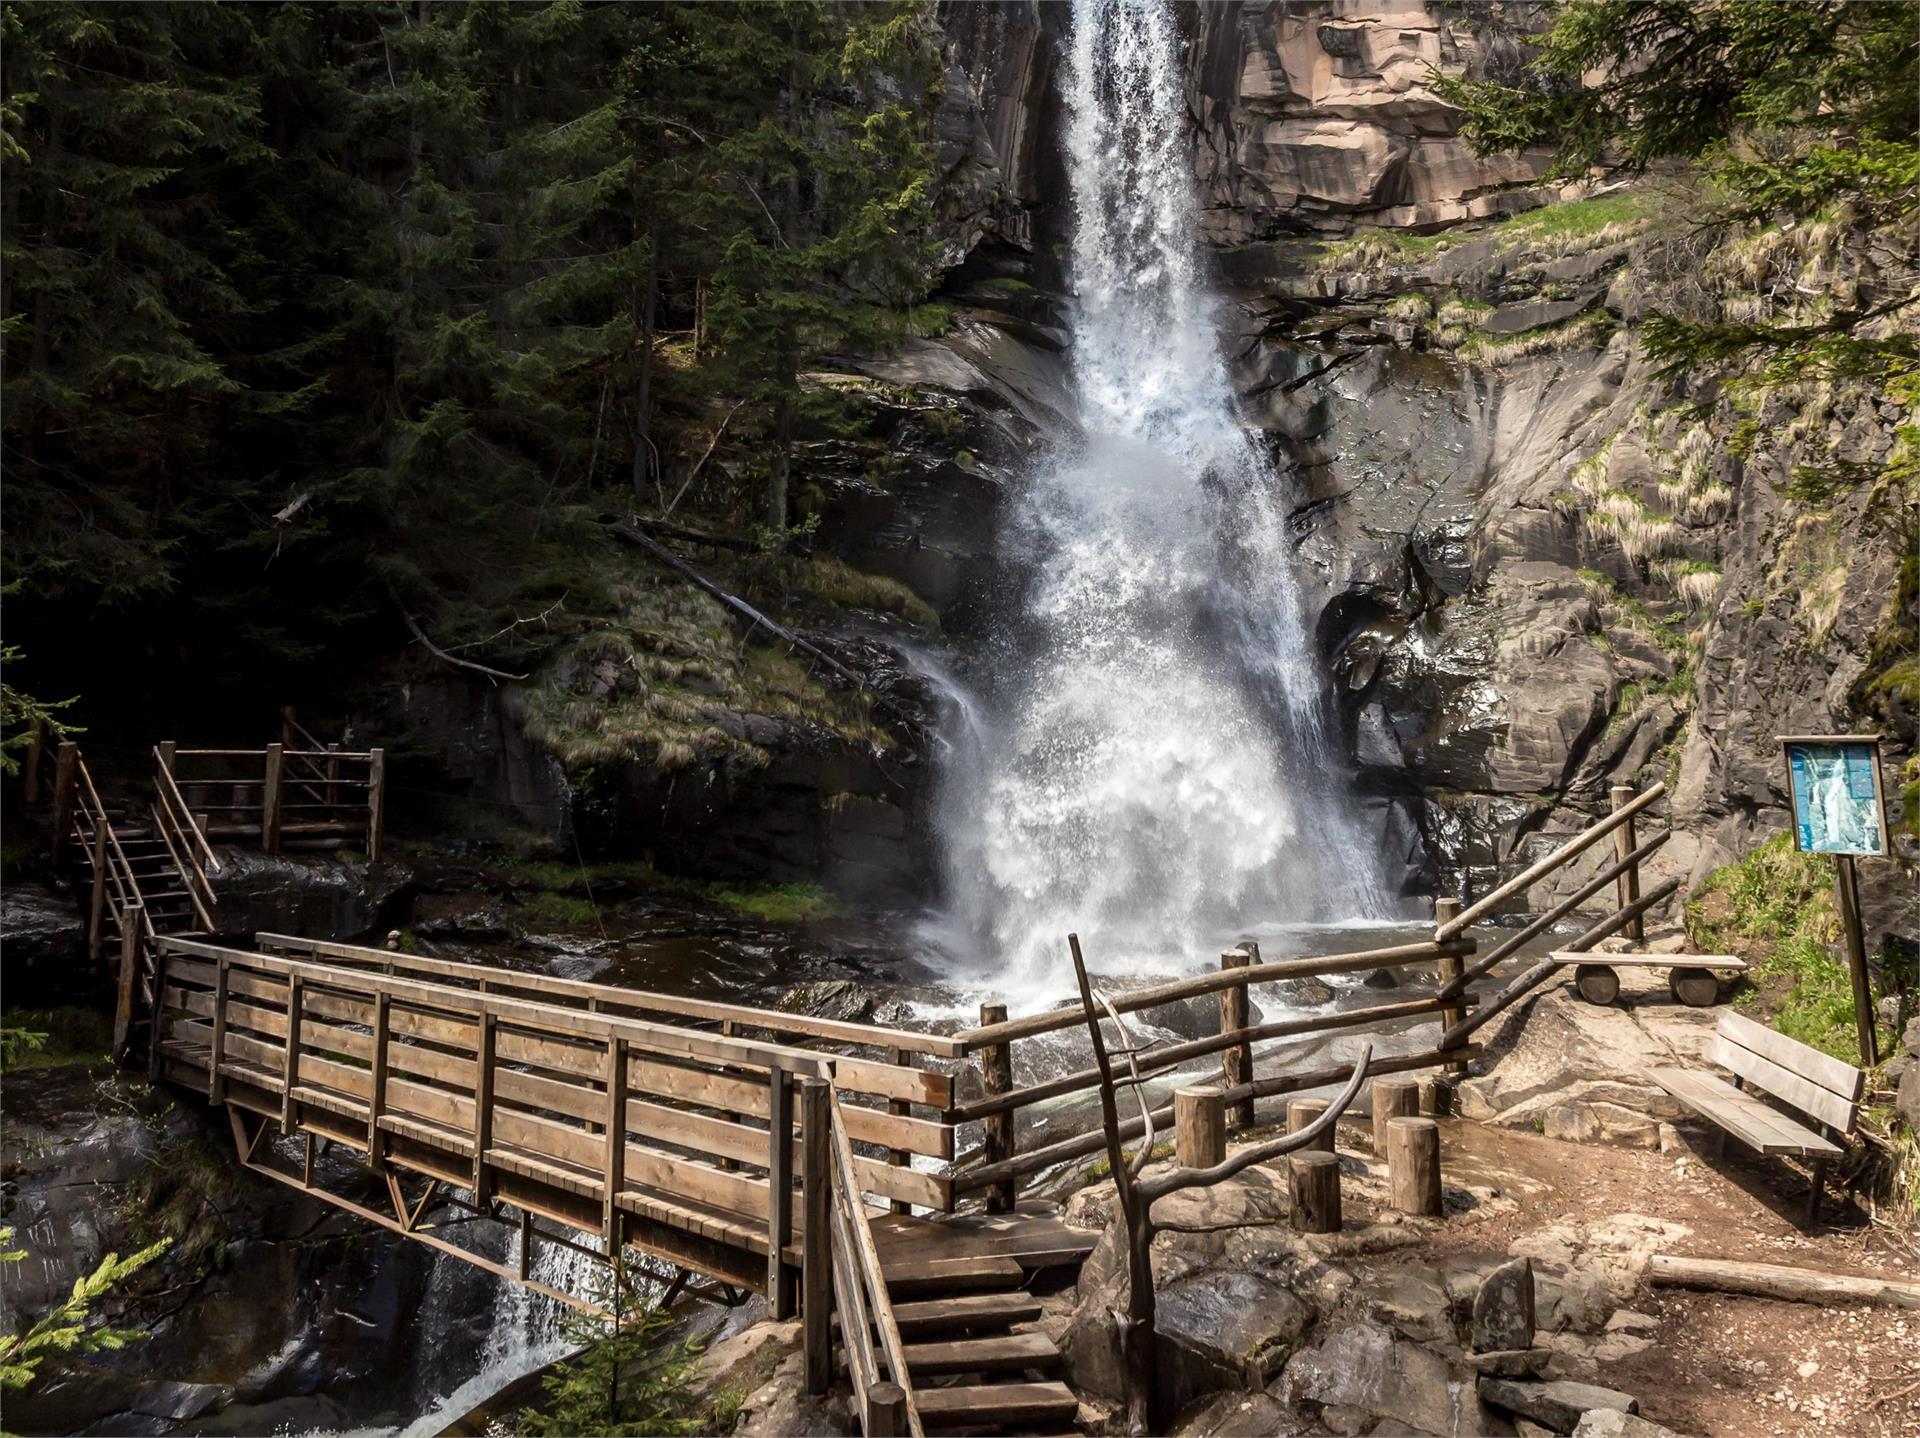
{"type": "Point", "coordinates": [438, 653]}
{"type": "Point", "coordinates": [700, 463]}
{"type": "Point", "coordinates": [633, 535]}
{"type": "Point", "coordinates": [1777, 1280]}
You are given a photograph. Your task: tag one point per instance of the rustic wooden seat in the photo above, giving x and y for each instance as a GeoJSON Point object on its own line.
{"type": "Point", "coordinates": [1690, 978]}
{"type": "Point", "coordinates": [1822, 1087]}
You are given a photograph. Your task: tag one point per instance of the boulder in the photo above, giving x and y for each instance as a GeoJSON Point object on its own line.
{"type": "Point", "coordinates": [1511, 1362]}
{"type": "Point", "coordinates": [1503, 1309]}
{"type": "Point", "coordinates": [1906, 1100]}
{"type": "Point", "coordinates": [1363, 1366]}
{"type": "Point", "coordinates": [1239, 1415]}
{"type": "Point", "coordinates": [1558, 1404]}
{"type": "Point", "coordinates": [1217, 1330]}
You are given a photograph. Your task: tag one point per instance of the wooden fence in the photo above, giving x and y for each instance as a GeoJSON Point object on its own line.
{"type": "Point", "coordinates": [285, 798]}
{"type": "Point", "coordinates": [1001, 1164]}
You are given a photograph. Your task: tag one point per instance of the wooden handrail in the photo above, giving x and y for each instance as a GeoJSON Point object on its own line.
{"type": "Point", "coordinates": [868, 1286]}
{"type": "Point", "coordinates": [188, 876]}
{"type": "Point", "coordinates": [772, 1020]}
{"type": "Point", "coordinates": [1150, 998]}
{"type": "Point", "coordinates": [169, 793]}
{"type": "Point", "coordinates": [1534, 873]}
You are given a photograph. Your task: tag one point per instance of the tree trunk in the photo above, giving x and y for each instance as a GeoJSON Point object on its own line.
{"type": "Point", "coordinates": [647, 308]}
{"type": "Point", "coordinates": [780, 463]}
{"type": "Point", "coordinates": [1136, 1345]}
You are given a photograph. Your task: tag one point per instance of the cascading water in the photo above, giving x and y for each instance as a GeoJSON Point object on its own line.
{"type": "Point", "coordinates": [1154, 770]}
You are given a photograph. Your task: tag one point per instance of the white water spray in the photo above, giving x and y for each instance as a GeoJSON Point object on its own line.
{"type": "Point", "coordinates": [1155, 773]}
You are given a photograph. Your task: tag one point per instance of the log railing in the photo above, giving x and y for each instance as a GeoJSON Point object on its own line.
{"type": "Point", "coordinates": [284, 798]}
{"type": "Point", "coordinates": [999, 1164]}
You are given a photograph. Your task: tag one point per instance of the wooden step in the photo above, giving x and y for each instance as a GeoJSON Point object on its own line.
{"type": "Point", "coordinates": [952, 1275]}
{"type": "Point", "coordinates": [968, 1313]}
{"type": "Point", "coordinates": [1002, 1353]}
{"type": "Point", "coordinates": [1024, 1406]}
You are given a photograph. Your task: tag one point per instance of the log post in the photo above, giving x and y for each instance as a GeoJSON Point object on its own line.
{"type": "Point", "coordinates": [156, 1003]}
{"type": "Point", "coordinates": [1236, 1063]}
{"type": "Point", "coordinates": [1199, 1127]}
{"type": "Point", "coordinates": [614, 1178]}
{"type": "Point", "coordinates": [1303, 1111]}
{"type": "Point", "coordinates": [217, 1050]}
{"type": "Point", "coordinates": [886, 1411]}
{"type": "Point", "coordinates": [290, 1068]}
{"type": "Point", "coordinates": [1413, 1165]}
{"type": "Point", "coordinates": [1627, 886]}
{"type": "Point", "coordinates": [1313, 1182]}
{"type": "Point", "coordinates": [816, 1271]}
{"type": "Point", "coordinates": [1450, 968]}
{"type": "Point", "coordinates": [270, 800]}
{"type": "Point", "coordinates": [376, 799]}
{"type": "Point", "coordinates": [997, 1137]}
{"type": "Point", "coordinates": [1392, 1098]}
{"type": "Point", "coordinates": [132, 942]}
{"type": "Point", "coordinates": [377, 1093]}
{"type": "Point", "coordinates": [66, 780]}
{"type": "Point", "coordinates": [780, 1292]}
{"type": "Point", "coordinates": [167, 748]}
{"type": "Point", "coordinates": [333, 775]}
{"type": "Point", "coordinates": [97, 910]}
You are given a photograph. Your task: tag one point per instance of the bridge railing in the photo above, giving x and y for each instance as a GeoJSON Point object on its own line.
{"type": "Point", "coordinates": [895, 1104]}
{"type": "Point", "coordinates": [1000, 1163]}
{"type": "Point", "coordinates": [282, 797]}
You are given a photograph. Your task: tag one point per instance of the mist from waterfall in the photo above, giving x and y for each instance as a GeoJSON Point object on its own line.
{"type": "Point", "coordinates": [1152, 767]}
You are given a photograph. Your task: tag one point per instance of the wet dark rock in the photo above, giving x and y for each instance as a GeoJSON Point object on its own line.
{"type": "Point", "coordinates": [312, 895]}
{"type": "Point", "coordinates": [1382, 979]}
{"type": "Point", "coordinates": [463, 915]}
{"type": "Point", "coordinates": [1303, 993]}
{"type": "Point", "coordinates": [1503, 1309]}
{"type": "Point", "coordinates": [1240, 1415]}
{"type": "Point", "coordinates": [1223, 1330]}
{"type": "Point", "coordinates": [1558, 1404]}
{"type": "Point", "coordinates": [44, 937]}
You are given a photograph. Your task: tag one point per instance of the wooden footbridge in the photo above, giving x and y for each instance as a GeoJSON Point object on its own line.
{"type": "Point", "coordinates": [830, 1166]}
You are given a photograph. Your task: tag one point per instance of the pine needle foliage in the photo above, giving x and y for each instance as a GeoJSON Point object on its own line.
{"type": "Point", "coordinates": [627, 1378]}
{"type": "Point", "coordinates": [66, 1330]}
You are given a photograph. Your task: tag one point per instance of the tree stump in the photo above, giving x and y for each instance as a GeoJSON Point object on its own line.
{"type": "Point", "coordinates": [1597, 983]}
{"type": "Point", "coordinates": [1313, 1180]}
{"type": "Point", "coordinates": [1303, 1111]}
{"type": "Point", "coordinates": [1199, 1127]}
{"type": "Point", "coordinates": [1392, 1098]}
{"type": "Point", "coordinates": [1413, 1165]}
{"type": "Point", "coordinates": [1696, 988]}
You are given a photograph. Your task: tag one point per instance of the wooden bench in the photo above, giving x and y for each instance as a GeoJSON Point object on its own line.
{"type": "Point", "coordinates": [1691, 978]}
{"type": "Point", "coordinates": [1817, 1085]}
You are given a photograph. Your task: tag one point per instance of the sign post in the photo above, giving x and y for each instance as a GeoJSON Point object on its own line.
{"type": "Point", "coordinates": [1839, 808]}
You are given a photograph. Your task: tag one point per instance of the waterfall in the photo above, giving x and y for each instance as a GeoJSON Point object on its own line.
{"type": "Point", "coordinates": [1153, 767]}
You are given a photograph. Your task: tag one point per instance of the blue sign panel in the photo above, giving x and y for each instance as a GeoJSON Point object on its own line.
{"type": "Point", "coordinates": [1836, 797]}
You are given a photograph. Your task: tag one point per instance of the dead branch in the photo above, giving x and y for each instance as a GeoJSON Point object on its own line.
{"type": "Point", "coordinates": [701, 463]}
{"type": "Point", "coordinates": [438, 653]}
{"type": "Point", "coordinates": [540, 618]}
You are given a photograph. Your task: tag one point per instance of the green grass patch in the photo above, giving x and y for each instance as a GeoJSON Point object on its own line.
{"type": "Point", "coordinates": [1580, 219]}
{"type": "Point", "coordinates": [56, 1038]}
{"type": "Point", "coordinates": [838, 582]}
{"type": "Point", "coordinates": [1775, 910]}
{"type": "Point", "coordinates": [560, 909]}
{"type": "Point", "coordinates": [775, 903]}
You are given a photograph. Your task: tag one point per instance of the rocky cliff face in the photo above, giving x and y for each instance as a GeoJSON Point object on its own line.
{"type": "Point", "coordinates": [1546, 567]}
{"type": "Point", "coordinates": [1319, 115]}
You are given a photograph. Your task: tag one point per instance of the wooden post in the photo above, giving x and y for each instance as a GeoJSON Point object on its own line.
{"type": "Point", "coordinates": [290, 1072]}
{"type": "Point", "coordinates": [525, 1258]}
{"type": "Point", "coordinates": [217, 1051]}
{"type": "Point", "coordinates": [1199, 1127]}
{"type": "Point", "coordinates": [35, 747]}
{"type": "Point", "coordinates": [377, 1089]}
{"type": "Point", "coordinates": [156, 1004]}
{"type": "Point", "coordinates": [132, 940]}
{"type": "Point", "coordinates": [886, 1411]}
{"type": "Point", "coordinates": [780, 1294]}
{"type": "Point", "coordinates": [1236, 1063]}
{"type": "Point", "coordinates": [270, 800]}
{"type": "Point", "coordinates": [376, 799]}
{"type": "Point", "coordinates": [1392, 1098]}
{"type": "Point", "coordinates": [1627, 886]}
{"type": "Point", "coordinates": [614, 1178]}
{"type": "Point", "coordinates": [1413, 1165]}
{"type": "Point", "coordinates": [1846, 893]}
{"type": "Point", "coordinates": [289, 737]}
{"type": "Point", "coordinates": [1303, 1111]}
{"type": "Point", "coordinates": [333, 774]}
{"type": "Point", "coordinates": [899, 1157]}
{"type": "Point", "coordinates": [66, 779]}
{"type": "Point", "coordinates": [97, 910]}
{"type": "Point", "coordinates": [1313, 1181]}
{"type": "Point", "coordinates": [816, 1270]}
{"type": "Point", "coordinates": [488, 1046]}
{"type": "Point", "coordinates": [1450, 968]}
{"type": "Point", "coordinates": [168, 748]}
{"type": "Point", "coordinates": [996, 1140]}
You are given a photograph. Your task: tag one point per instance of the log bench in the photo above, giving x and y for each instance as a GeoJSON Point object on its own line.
{"type": "Point", "coordinates": [1690, 978]}
{"type": "Point", "coordinates": [1819, 1086]}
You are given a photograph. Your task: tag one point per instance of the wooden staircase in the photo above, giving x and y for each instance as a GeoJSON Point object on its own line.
{"type": "Point", "coordinates": [977, 1357]}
